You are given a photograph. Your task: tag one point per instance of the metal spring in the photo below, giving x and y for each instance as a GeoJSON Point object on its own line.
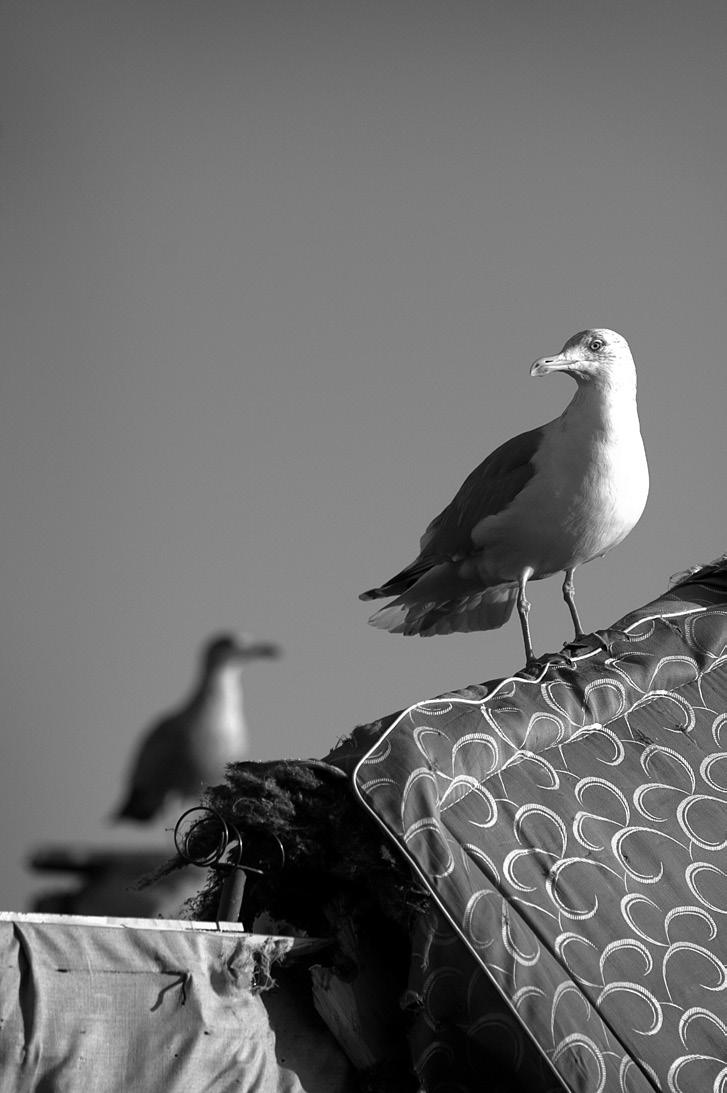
{"type": "Point", "coordinates": [201, 829]}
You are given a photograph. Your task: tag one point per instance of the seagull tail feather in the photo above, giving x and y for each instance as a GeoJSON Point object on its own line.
{"type": "Point", "coordinates": [402, 581]}
{"type": "Point", "coordinates": [486, 610]}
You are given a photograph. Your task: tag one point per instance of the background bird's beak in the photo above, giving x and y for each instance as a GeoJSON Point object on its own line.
{"type": "Point", "coordinates": [254, 650]}
{"type": "Point", "coordinates": [544, 365]}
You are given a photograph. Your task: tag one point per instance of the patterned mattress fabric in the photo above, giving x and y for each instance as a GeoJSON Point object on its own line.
{"type": "Point", "coordinates": [571, 827]}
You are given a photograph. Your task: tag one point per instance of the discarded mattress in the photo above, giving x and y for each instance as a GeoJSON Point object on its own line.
{"type": "Point", "coordinates": [571, 827]}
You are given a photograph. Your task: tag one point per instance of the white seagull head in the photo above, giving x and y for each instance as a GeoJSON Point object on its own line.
{"type": "Point", "coordinates": [597, 356]}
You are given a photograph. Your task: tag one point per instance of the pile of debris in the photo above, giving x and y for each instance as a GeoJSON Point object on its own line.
{"type": "Point", "coordinates": [316, 865]}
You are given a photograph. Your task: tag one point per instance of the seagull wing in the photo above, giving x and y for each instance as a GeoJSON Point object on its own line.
{"type": "Point", "coordinates": [159, 767]}
{"type": "Point", "coordinates": [487, 491]}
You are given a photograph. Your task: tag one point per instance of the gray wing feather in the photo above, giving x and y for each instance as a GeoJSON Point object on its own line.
{"type": "Point", "coordinates": [487, 491]}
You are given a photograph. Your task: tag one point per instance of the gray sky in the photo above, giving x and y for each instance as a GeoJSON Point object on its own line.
{"type": "Point", "coordinates": [272, 278]}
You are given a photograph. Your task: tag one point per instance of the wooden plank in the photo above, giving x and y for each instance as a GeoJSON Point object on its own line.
{"type": "Point", "coordinates": [302, 1041]}
{"type": "Point", "coordinates": [88, 859]}
{"type": "Point", "coordinates": [359, 1005]}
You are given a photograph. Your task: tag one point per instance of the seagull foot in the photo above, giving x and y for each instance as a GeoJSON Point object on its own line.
{"type": "Point", "coordinates": [586, 643]}
{"type": "Point", "coordinates": [563, 660]}
{"type": "Point", "coordinates": [533, 667]}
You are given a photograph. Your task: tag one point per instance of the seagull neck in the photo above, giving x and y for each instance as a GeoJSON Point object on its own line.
{"type": "Point", "coordinates": [608, 406]}
{"type": "Point", "coordinates": [223, 686]}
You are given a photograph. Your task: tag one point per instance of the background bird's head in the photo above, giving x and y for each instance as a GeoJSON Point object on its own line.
{"type": "Point", "coordinates": [597, 356]}
{"type": "Point", "coordinates": [224, 650]}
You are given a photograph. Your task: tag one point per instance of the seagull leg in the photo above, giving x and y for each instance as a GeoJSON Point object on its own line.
{"type": "Point", "coordinates": [523, 610]}
{"type": "Point", "coordinates": [569, 595]}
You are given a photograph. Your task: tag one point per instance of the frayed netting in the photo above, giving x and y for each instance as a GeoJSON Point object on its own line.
{"type": "Point", "coordinates": [331, 845]}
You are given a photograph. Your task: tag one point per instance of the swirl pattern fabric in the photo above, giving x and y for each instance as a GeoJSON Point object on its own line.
{"type": "Point", "coordinates": [571, 830]}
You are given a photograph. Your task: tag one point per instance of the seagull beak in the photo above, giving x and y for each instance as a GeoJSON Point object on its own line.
{"type": "Point", "coordinates": [558, 363]}
{"type": "Point", "coordinates": [257, 649]}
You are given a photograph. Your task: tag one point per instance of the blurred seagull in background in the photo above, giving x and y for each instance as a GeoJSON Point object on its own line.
{"type": "Point", "coordinates": [189, 749]}
{"type": "Point", "coordinates": [545, 502]}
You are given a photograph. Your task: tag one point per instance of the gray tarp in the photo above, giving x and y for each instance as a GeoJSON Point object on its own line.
{"type": "Point", "coordinates": [107, 1009]}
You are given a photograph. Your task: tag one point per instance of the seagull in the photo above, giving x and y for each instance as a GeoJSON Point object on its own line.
{"type": "Point", "coordinates": [544, 502]}
{"type": "Point", "coordinates": [190, 748]}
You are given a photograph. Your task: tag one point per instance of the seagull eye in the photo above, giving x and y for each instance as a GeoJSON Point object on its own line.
{"type": "Point", "coordinates": [596, 344]}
